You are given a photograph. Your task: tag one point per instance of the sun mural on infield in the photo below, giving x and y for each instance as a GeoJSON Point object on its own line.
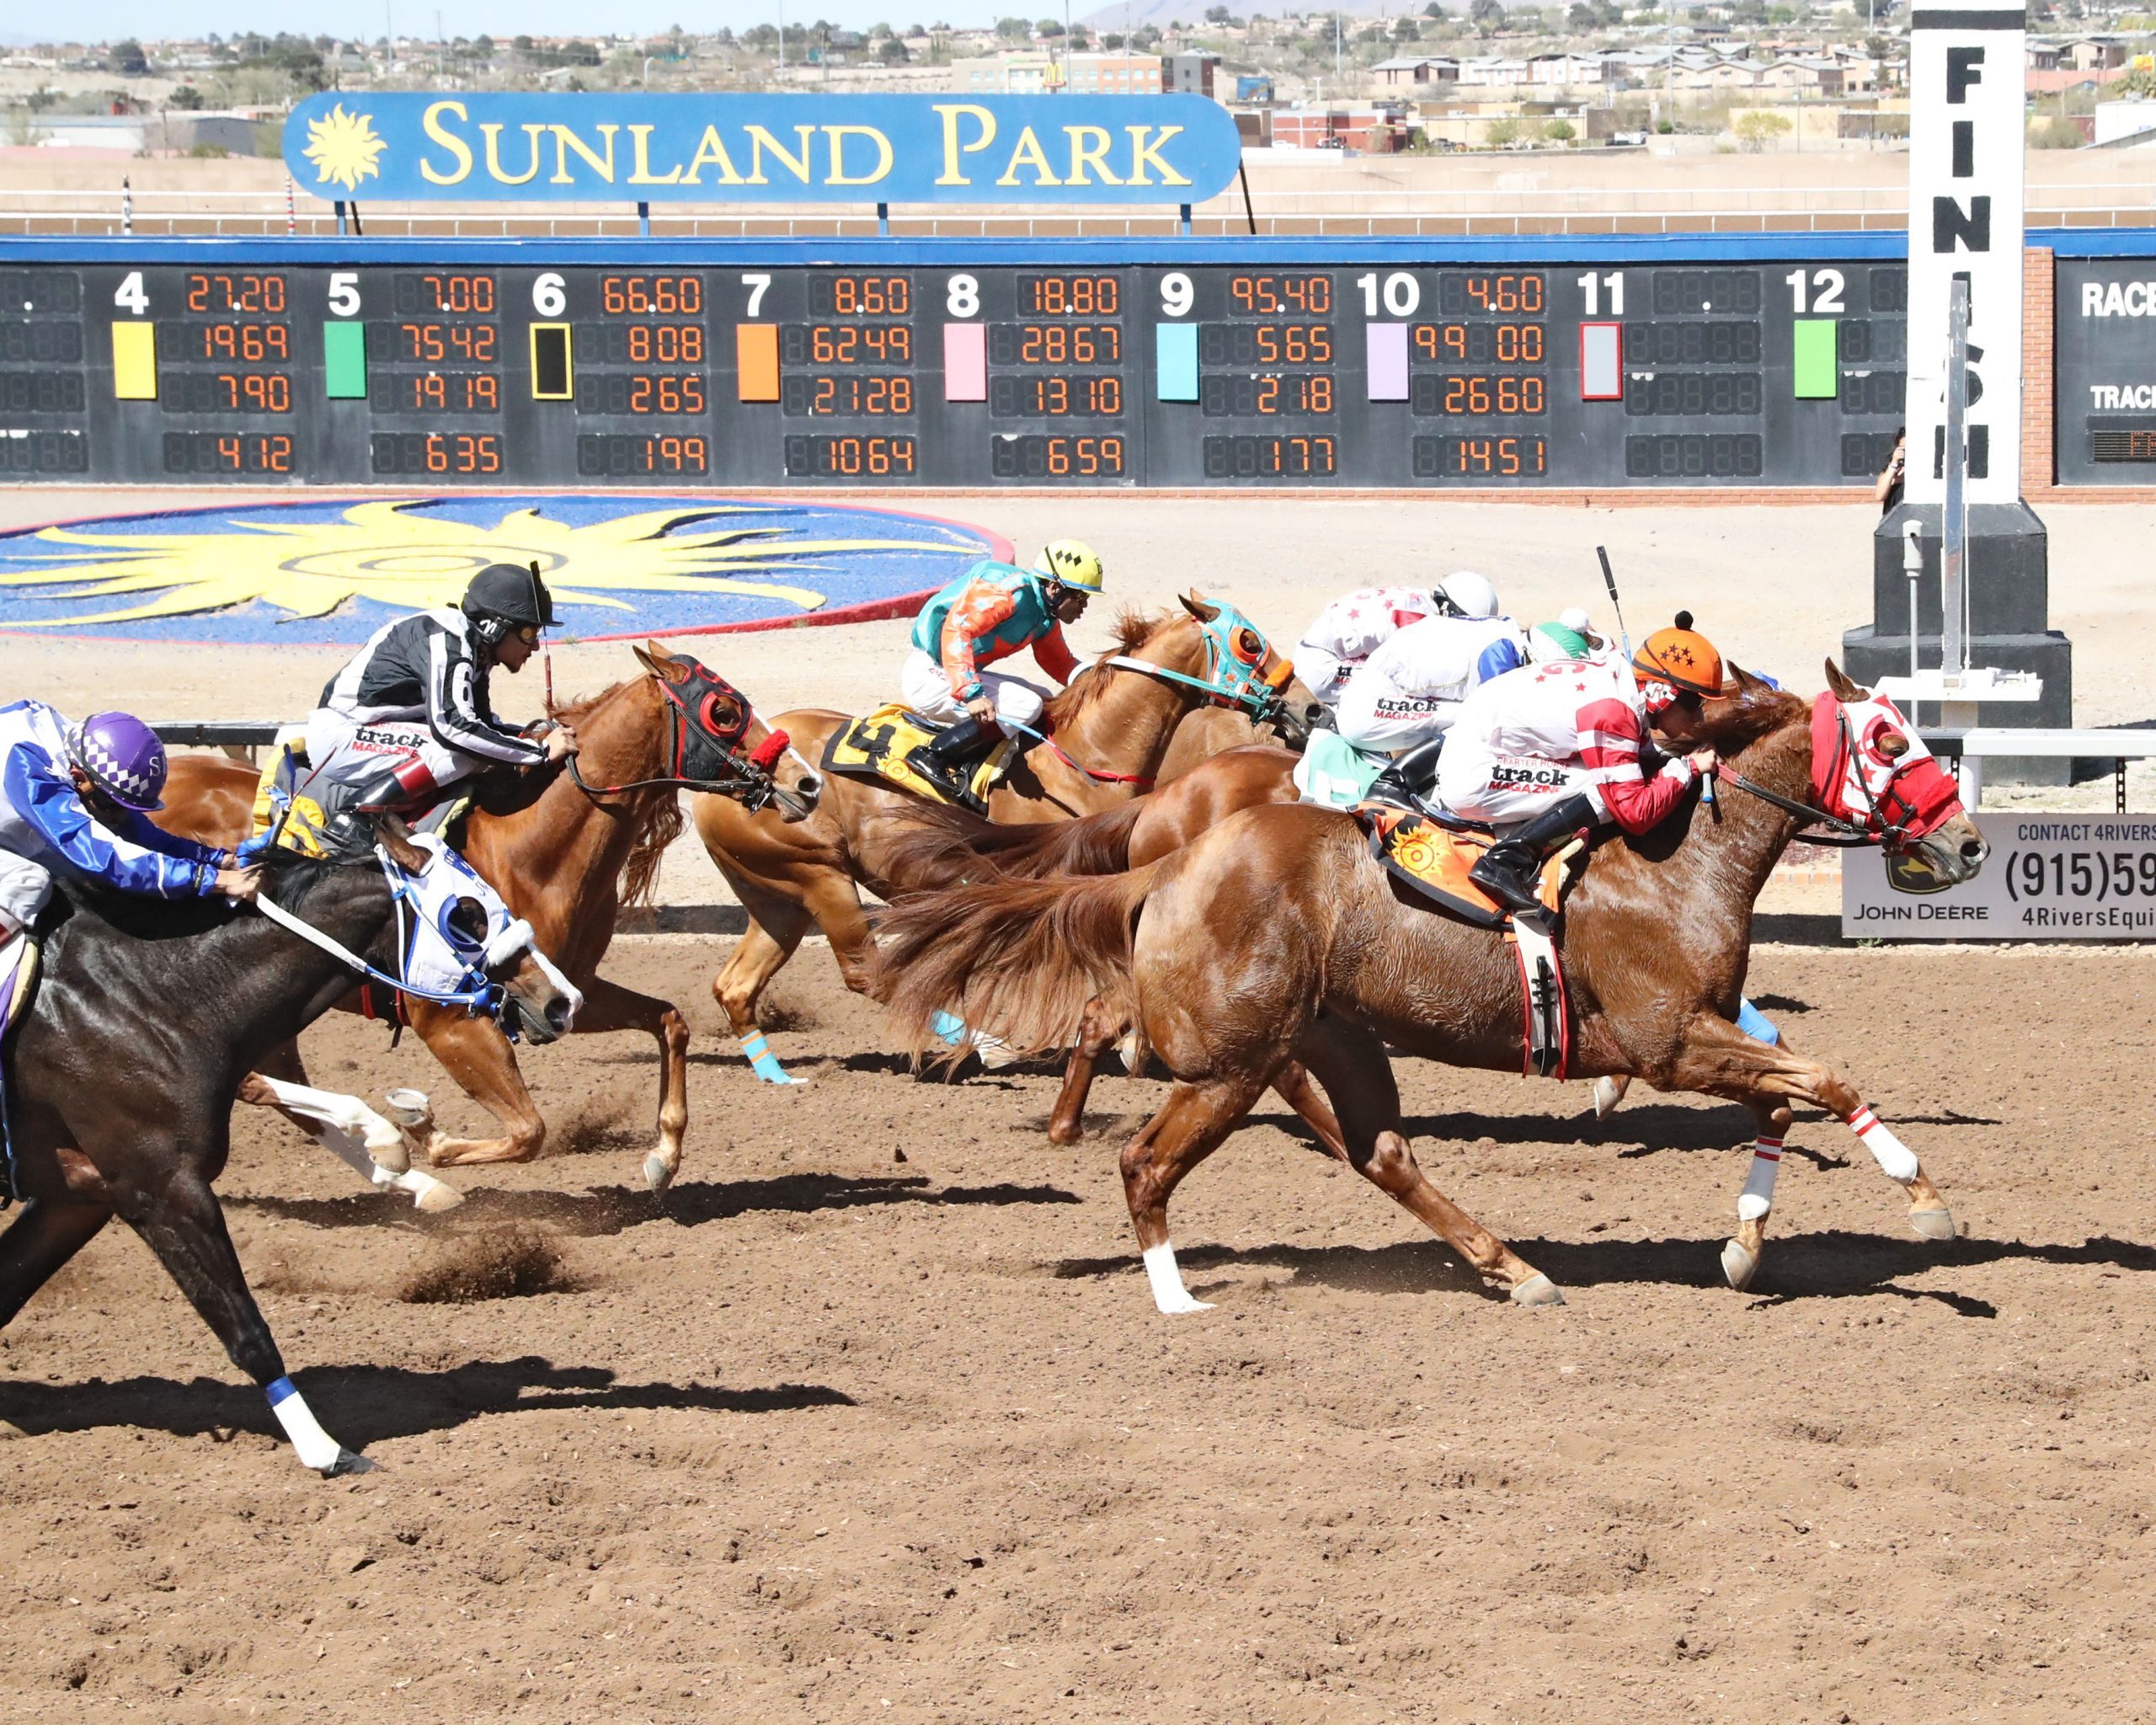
{"type": "Point", "coordinates": [343, 147]}
{"type": "Point", "coordinates": [409, 557]}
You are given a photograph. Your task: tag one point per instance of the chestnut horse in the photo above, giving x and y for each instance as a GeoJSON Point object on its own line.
{"type": "Point", "coordinates": [565, 860]}
{"type": "Point", "coordinates": [1276, 938]}
{"type": "Point", "coordinates": [1110, 732]}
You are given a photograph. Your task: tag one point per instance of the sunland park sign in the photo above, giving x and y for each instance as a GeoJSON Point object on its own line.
{"type": "Point", "coordinates": [592, 148]}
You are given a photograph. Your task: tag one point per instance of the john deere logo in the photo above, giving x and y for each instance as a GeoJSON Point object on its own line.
{"type": "Point", "coordinates": [343, 147]}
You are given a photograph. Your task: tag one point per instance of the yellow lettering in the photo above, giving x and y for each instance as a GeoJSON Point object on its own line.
{"type": "Point", "coordinates": [953, 149]}
{"type": "Point", "coordinates": [1089, 148]}
{"type": "Point", "coordinates": [449, 141]}
{"type": "Point", "coordinates": [565, 141]}
{"type": "Point", "coordinates": [838, 136]}
{"type": "Point", "coordinates": [1141, 152]}
{"type": "Point", "coordinates": [1028, 151]}
{"type": "Point", "coordinates": [493, 135]}
{"type": "Point", "coordinates": [760, 141]}
{"type": "Point", "coordinates": [643, 175]}
{"type": "Point", "coordinates": [711, 148]}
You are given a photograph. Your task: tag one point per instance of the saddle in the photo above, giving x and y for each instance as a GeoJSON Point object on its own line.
{"type": "Point", "coordinates": [890, 746]}
{"type": "Point", "coordinates": [316, 818]}
{"type": "Point", "coordinates": [1432, 858]}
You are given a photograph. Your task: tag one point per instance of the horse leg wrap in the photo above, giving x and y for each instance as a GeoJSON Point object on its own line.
{"type": "Point", "coordinates": [1896, 1160]}
{"type": "Point", "coordinates": [1755, 1024]}
{"type": "Point", "coordinates": [765, 1062]}
{"type": "Point", "coordinates": [949, 1028]}
{"type": "Point", "coordinates": [316, 1447]}
{"type": "Point", "coordinates": [1169, 1294]}
{"type": "Point", "coordinates": [1758, 1197]}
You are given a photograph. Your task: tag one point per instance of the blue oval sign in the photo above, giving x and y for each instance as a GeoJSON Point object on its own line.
{"type": "Point", "coordinates": [590, 148]}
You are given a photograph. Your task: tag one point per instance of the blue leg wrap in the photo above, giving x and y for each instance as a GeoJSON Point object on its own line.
{"type": "Point", "coordinates": [1755, 1024]}
{"type": "Point", "coordinates": [764, 1062]}
{"type": "Point", "coordinates": [951, 1027]}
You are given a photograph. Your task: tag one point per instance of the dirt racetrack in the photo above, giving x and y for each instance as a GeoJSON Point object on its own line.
{"type": "Point", "coordinates": [872, 1419]}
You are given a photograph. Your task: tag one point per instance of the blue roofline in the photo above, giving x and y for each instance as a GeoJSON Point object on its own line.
{"type": "Point", "coordinates": [1060, 251]}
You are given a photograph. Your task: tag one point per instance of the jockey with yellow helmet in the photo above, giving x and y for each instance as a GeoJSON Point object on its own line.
{"type": "Point", "coordinates": [988, 613]}
{"type": "Point", "coordinates": [1552, 750]}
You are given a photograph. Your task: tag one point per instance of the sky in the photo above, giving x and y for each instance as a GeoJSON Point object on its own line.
{"type": "Point", "coordinates": [108, 20]}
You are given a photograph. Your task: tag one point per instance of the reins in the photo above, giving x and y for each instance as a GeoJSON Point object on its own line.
{"type": "Point", "coordinates": [1080, 766]}
{"type": "Point", "coordinates": [1842, 832]}
{"type": "Point", "coordinates": [485, 997]}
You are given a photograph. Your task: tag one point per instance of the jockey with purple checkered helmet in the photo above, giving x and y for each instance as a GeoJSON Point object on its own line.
{"type": "Point", "coordinates": [75, 800]}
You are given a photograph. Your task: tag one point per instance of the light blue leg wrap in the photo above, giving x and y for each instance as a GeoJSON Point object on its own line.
{"type": "Point", "coordinates": [765, 1062]}
{"type": "Point", "coordinates": [1755, 1024]}
{"type": "Point", "coordinates": [950, 1026]}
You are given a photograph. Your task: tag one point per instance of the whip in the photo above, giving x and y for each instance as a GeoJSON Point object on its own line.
{"type": "Point", "coordinates": [546, 647]}
{"type": "Point", "coordinates": [1608, 580]}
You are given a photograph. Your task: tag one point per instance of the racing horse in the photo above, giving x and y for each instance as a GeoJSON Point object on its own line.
{"type": "Point", "coordinates": [1276, 938]}
{"type": "Point", "coordinates": [1108, 735]}
{"type": "Point", "coordinates": [146, 1015]}
{"type": "Point", "coordinates": [566, 859]}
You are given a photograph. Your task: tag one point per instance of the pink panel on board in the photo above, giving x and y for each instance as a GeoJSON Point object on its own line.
{"type": "Point", "coordinates": [965, 362]}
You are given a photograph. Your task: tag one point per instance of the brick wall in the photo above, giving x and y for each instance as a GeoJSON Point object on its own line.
{"type": "Point", "coordinates": [2036, 418]}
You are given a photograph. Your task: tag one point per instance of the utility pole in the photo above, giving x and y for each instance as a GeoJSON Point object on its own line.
{"type": "Point", "coordinates": [782, 35]}
{"type": "Point", "coordinates": [1336, 41]}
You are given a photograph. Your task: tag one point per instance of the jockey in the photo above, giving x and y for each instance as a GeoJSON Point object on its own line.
{"type": "Point", "coordinates": [410, 713]}
{"type": "Point", "coordinates": [1405, 697]}
{"type": "Point", "coordinates": [1355, 625]}
{"type": "Point", "coordinates": [1553, 750]}
{"type": "Point", "coordinates": [75, 800]}
{"type": "Point", "coordinates": [987, 614]}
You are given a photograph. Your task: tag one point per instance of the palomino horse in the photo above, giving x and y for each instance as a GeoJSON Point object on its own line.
{"type": "Point", "coordinates": [1108, 732]}
{"type": "Point", "coordinates": [566, 860]}
{"type": "Point", "coordinates": [121, 1078]}
{"type": "Point", "coordinates": [1276, 938]}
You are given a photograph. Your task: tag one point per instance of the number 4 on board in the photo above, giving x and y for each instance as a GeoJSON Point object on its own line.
{"type": "Point", "coordinates": [131, 297]}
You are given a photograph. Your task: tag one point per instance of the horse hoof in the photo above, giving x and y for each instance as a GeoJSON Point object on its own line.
{"type": "Point", "coordinates": [1608, 1093]}
{"type": "Point", "coordinates": [1933, 1224]}
{"type": "Point", "coordinates": [1538, 1289]}
{"type": "Point", "coordinates": [435, 1197]}
{"type": "Point", "coordinates": [1738, 1266]}
{"type": "Point", "coordinates": [658, 1172]}
{"type": "Point", "coordinates": [1184, 1307]}
{"type": "Point", "coordinates": [348, 1461]}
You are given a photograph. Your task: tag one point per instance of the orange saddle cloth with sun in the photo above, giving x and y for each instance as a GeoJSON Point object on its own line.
{"type": "Point", "coordinates": [1434, 861]}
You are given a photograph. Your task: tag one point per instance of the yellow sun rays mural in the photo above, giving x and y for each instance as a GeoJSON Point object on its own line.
{"type": "Point", "coordinates": [409, 557]}
{"type": "Point", "coordinates": [343, 147]}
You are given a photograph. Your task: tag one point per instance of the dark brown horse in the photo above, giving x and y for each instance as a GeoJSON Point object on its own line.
{"type": "Point", "coordinates": [1275, 938]}
{"type": "Point", "coordinates": [565, 860]}
{"type": "Point", "coordinates": [1110, 735]}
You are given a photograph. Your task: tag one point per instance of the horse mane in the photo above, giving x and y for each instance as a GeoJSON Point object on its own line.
{"type": "Point", "coordinates": [1751, 711]}
{"type": "Point", "coordinates": [1133, 629]}
{"type": "Point", "coordinates": [296, 877]}
{"type": "Point", "coordinates": [657, 817]}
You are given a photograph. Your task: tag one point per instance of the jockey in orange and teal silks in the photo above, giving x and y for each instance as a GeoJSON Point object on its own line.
{"type": "Point", "coordinates": [988, 613]}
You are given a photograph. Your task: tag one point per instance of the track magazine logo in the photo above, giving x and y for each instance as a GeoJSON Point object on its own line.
{"type": "Point", "coordinates": [334, 571]}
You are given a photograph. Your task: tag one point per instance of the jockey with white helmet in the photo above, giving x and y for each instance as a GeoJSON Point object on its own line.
{"type": "Point", "coordinates": [75, 800]}
{"type": "Point", "coordinates": [1344, 635]}
{"type": "Point", "coordinates": [1556, 749]}
{"type": "Point", "coordinates": [1404, 699]}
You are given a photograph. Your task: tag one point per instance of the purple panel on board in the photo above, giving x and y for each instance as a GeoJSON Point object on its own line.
{"type": "Point", "coordinates": [965, 362]}
{"type": "Point", "coordinates": [1388, 360]}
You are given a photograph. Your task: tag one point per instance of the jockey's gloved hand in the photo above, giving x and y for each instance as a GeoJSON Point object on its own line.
{"type": "Point", "coordinates": [249, 851]}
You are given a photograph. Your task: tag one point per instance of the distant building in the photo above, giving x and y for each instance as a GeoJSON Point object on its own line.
{"type": "Point", "coordinates": [1034, 73]}
{"type": "Point", "coordinates": [2130, 118]}
{"type": "Point", "coordinates": [1375, 131]}
{"type": "Point", "coordinates": [1188, 74]}
{"type": "Point", "coordinates": [1411, 70]}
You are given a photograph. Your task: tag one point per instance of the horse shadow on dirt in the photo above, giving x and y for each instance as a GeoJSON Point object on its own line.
{"type": "Point", "coordinates": [1833, 1263]}
{"type": "Point", "coordinates": [599, 1211]}
{"type": "Point", "coordinates": [366, 1404]}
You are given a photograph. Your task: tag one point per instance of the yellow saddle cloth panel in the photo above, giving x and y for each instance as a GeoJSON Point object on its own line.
{"type": "Point", "coordinates": [879, 746]}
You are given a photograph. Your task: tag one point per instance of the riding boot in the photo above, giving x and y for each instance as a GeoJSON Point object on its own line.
{"type": "Point", "coordinates": [1410, 775]}
{"type": "Point", "coordinates": [965, 741]}
{"type": "Point", "coordinates": [1510, 870]}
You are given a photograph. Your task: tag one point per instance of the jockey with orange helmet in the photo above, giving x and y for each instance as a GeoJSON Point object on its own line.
{"type": "Point", "coordinates": [1553, 750]}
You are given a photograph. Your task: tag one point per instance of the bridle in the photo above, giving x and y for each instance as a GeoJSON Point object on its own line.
{"type": "Point", "coordinates": [1232, 678]}
{"type": "Point", "coordinates": [1889, 817]}
{"type": "Point", "coordinates": [711, 719]}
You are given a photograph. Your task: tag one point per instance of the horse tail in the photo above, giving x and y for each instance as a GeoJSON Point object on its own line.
{"type": "Point", "coordinates": [941, 846]}
{"type": "Point", "coordinates": [657, 827]}
{"type": "Point", "coordinates": [1017, 958]}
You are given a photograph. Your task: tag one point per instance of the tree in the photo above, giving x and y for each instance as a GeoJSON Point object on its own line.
{"type": "Point", "coordinates": [1080, 40]}
{"type": "Point", "coordinates": [1488, 14]}
{"type": "Point", "coordinates": [127, 58]}
{"type": "Point", "coordinates": [893, 51]}
{"type": "Point", "coordinates": [1216, 14]}
{"type": "Point", "coordinates": [1501, 132]}
{"type": "Point", "coordinates": [1013, 29]}
{"type": "Point", "coordinates": [521, 43]}
{"type": "Point", "coordinates": [1112, 41]}
{"type": "Point", "coordinates": [186, 98]}
{"type": "Point", "coordinates": [1047, 30]}
{"type": "Point", "coordinates": [1433, 10]}
{"type": "Point", "coordinates": [1754, 129]}
{"type": "Point", "coordinates": [1404, 30]}
{"type": "Point", "coordinates": [1560, 131]}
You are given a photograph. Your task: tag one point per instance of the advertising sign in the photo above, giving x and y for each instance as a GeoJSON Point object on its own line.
{"type": "Point", "coordinates": [2049, 877]}
{"type": "Point", "coordinates": [733, 149]}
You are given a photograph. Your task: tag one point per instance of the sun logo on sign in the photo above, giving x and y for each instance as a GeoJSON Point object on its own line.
{"type": "Point", "coordinates": [344, 148]}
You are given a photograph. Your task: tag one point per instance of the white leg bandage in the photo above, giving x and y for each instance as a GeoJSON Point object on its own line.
{"type": "Point", "coordinates": [1169, 1294]}
{"type": "Point", "coordinates": [316, 1447]}
{"type": "Point", "coordinates": [1758, 1197]}
{"type": "Point", "coordinates": [1896, 1160]}
{"type": "Point", "coordinates": [345, 1126]}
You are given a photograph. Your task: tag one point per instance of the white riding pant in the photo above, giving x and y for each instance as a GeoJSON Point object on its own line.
{"type": "Point", "coordinates": [1326, 675]}
{"type": "Point", "coordinates": [924, 688]}
{"type": "Point", "coordinates": [1378, 718]}
{"type": "Point", "coordinates": [25, 889]}
{"type": "Point", "coordinates": [390, 759]}
{"type": "Point", "coordinates": [1476, 783]}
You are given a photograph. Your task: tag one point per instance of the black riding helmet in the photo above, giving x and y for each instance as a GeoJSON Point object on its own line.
{"type": "Point", "coordinates": [504, 598]}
